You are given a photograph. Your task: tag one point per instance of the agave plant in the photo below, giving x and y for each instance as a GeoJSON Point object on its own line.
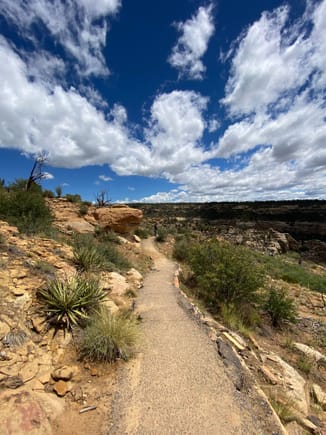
{"type": "Point", "coordinates": [69, 302]}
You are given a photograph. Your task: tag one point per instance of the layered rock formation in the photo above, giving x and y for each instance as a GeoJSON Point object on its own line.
{"type": "Point", "coordinates": [121, 219]}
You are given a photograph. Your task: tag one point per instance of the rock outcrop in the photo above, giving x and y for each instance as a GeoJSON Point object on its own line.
{"type": "Point", "coordinates": [121, 219]}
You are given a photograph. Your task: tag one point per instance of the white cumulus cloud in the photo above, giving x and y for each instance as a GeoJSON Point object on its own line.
{"type": "Point", "coordinates": [191, 46]}
{"type": "Point", "coordinates": [79, 26]}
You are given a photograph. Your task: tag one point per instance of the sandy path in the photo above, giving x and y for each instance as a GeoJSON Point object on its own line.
{"type": "Point", "coordinates": [177, 383]}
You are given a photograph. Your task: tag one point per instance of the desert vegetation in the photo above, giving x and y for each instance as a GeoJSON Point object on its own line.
{"type": "Point", "coordinates": [23, 208]}
{"type": "Point", "coordinates": [75, 302]}
{"type": "Point", "coordinates": [231, 283]}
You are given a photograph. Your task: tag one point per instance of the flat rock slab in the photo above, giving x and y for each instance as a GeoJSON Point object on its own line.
{"type": "Point", "coordinates": [23, 414]}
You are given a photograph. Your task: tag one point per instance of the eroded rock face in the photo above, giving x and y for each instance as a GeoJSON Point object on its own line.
{"type": "Point", "coordinates": [122, 220]}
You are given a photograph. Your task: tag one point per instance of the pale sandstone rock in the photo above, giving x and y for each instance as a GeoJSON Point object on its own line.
{"type": "Point", "coordinates": [4, 329]}
{"type": "Point", "coordinates": [310, 352]}
{"type": "Point", "coordinates": [64, 373]}
{"type": "Point", "coordinates": [45, 375]}
{"type": "Point", "coordinates": [293, 428]}
{"type": "Point", "coordinates": [19, 291]}
{"type": "Point", "coordinates": [38, 324]}
{"type": "Point", "coordinates": [136, 238]}
{"type": "Point", "coordinates": [268, 375]}
{"type": "Point", "coordinates": [119, 219]}
{"type": "Point", "coordinates": [292, 383]}
{"type": "Point", "coordinates": [233, 341]}
{"type": "Point", "coordinates": [80, 226]}
{"type": "Point", "coordinates": [135, 278]}
{"type": "Point", "coordinates": [112, 306]}
{"type": "Point", "coordinates": [115, 283]}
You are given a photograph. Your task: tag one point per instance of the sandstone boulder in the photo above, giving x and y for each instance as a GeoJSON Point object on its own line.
{"type": "Point", "coordinates": [122, 220]}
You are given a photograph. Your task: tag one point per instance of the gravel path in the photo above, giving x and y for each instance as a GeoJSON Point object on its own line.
{"type": "Point", "coordinates": [177, 383]}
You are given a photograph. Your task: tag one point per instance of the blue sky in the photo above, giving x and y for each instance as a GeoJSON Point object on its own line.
{"type": "Point", "coordinates": [166, 101]}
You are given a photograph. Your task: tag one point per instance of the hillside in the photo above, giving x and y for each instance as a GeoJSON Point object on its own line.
{"type": "Point", "coordinates": [44, 383]}
{"type": "Point", "coordinates": [48, 388]}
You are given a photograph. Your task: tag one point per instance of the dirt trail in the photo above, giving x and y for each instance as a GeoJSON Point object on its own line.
{"type": "Point", "coordinates": [177, 383]}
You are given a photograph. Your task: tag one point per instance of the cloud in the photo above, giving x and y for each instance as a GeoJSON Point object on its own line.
{"type": "Point", "coordinates": [47, 176]}
{"type": "Point", "coordinates": [275, 60]}
{"type": "Point", "coordinates": [172, 137]}
{"type": "Point", "coordinates": [192, 44]}
{"type": "Point", "coordinates": [74, 133]}
{"type": "Point", "coordinates": [273, 146]}
{"type": "Point", "coordinates": [63, 123]}
{"type": "Point", "coordinates": [104, 178]}
{"type": "Point", "coordinates": [78, 26]}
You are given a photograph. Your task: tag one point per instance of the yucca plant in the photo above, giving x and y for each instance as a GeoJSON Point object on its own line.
{"type": "Point", "coordinates": [108, 337]}
{"type": "Point", "coordinates": [88, 258]}
{"type": "Point", "coordinates": [69, 302]}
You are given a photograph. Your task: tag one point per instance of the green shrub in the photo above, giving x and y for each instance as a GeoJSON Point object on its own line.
{"type": "Point", "coordinates": [104, 236]}
{"type": "Point", "coordinates": [73, 198]}
{"type": "Point", "coordinates": [143, 233]}
{"type": "Point", "coordinates": [161, 235]}
{"type": "Point", "coordinates": [58, 191]}
{"type": "Point", "coordinates": [113, 258]}
{"type": "Point", "coordinates": [83, 209]}
{"type": "Point", "coordinates": [182, 248]}
{"type": "Point", "coordinates": [305, 364]}
{"type": "Point", "coordinates": [26, 210]}
{"type": "Point", "coordinates": [108, 337]}
{"type": "Point", "coordinates": [284, 268]}
{"type": "Point", "coordinates": [226, 275]}
{"type": "Point", "coordinates": [88, 258]}
{"type": "Point", "coordinates": [71, 301]}
{"type": "Point", "coordinates": [280, 307]}
{"type": "Point", "coordinates": [283, 408]}
{"type": "Point", "coordinates": [93, 254]}
{"type": "Point", "coordinates": [48, 194]}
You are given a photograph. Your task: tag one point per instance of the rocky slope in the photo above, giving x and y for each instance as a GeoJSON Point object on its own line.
{"type": "Point", "coordinates": [43, 384]}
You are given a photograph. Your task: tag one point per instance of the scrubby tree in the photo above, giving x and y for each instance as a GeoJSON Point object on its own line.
{"type": "Point", "coordinates": [58, 191]}
{"type": "Point", "coordinates": [37, 173]}
{"type": "Point", "coordinates": [102, 199]}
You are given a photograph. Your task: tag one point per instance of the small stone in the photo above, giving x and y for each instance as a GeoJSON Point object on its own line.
{"type": "Point", "coordinates": [64, 373]}
{"type": "Point", "coordinates": [38, 324]}
{"type": "Point", "coordinates": [234, 341]}
{"type": "Point", "coordinates": [4, 329]}
{"type": "Point", "coordinates": [45, 376]}
{"type": "Point", "coordinates": [61, 388]}
{"type": "Point", "coordinates": [212, 335]}
{"type": "Point", "coordinates": [18, 291]}
{"type": "Point", "coordinates": [268, 375]}
{"type": "Point", "coordinates": [94, 371]}
{"type": "Point", "coordinates": [137, 239]}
